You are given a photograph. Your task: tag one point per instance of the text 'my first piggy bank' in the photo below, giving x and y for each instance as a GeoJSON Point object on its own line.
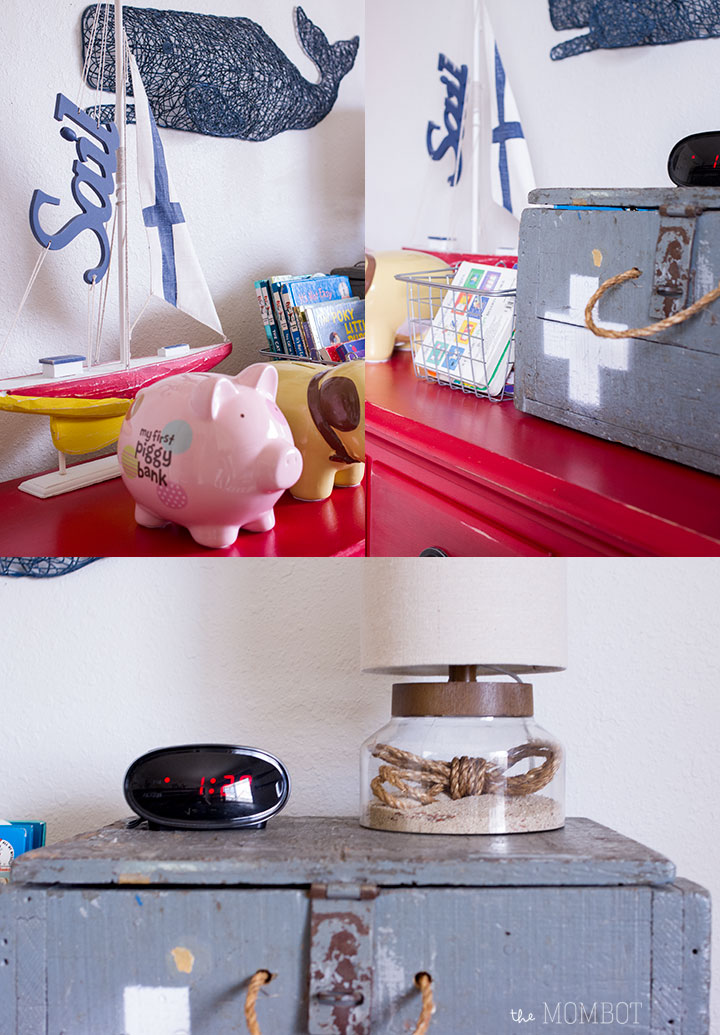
{"type": "Point", "coordinates": [210, 452]}
{"type": "Point", "coordinates": [325, 408]}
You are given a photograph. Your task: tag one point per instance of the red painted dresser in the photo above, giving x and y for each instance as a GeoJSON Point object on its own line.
{"type": "Point", "coordinates": [99, 522]}
{"type": "Point", "coordinates": [457, 474]}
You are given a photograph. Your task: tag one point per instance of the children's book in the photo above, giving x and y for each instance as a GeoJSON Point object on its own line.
{"type": "Point", "coordinates": [303, 325]}
{"type": "Point", "coordinates": [272, 334]}
{"type": "Point", "coordinates": [274, 285]}
{"type": "Point", "coordinates": [336, 323]}
{"type": "Point", "coordinates": [344, 351]}
{"type": "Point", "coordinates": [298, 293]}
{"type": "Point", "coordinates": [471, 339]}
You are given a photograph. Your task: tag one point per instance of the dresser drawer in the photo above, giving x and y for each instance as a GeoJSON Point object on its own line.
{"type": "Point", "coordinates": [149, 962]}
{"type": "Point", "coordinates": [143, 960]}
{"type": "Point", "coordinates": [520, 485]}
{"type": "Point", "coordinates": [406, 518]}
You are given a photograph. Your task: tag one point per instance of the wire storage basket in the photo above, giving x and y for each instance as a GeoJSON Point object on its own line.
{"type": "Point", "coordinates": [269, 354]}
{"type": "Point", "coordinates": [463, 334]}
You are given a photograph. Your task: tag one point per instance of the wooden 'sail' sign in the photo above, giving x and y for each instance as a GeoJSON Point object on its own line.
{"type": "Point", "coordinates": [456, 84]}
{"type": "Point", "coordinates": [94, 168]}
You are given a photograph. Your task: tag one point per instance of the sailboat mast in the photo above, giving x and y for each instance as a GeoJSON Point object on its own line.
{"type": "Point", "coordinates": [121, 185]}
{"type": "Point", "coordinates": [476, 100]}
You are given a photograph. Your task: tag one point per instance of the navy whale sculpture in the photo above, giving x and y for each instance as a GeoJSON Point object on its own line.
{"type": "Point", "coordinates": [632, 23]}
{"type": "Point", "coordinates": [223, 77]}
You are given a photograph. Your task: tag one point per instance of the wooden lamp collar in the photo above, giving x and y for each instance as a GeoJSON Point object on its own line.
{"type": "Point", "coordinates": [461, 695]}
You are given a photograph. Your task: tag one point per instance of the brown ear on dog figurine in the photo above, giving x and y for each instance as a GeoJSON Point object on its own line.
{"type": "Point", "coordinates": [325, 408]}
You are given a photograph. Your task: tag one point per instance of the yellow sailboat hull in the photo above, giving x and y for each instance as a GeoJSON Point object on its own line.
{"type": "Point", "coordinates": [77, 426]}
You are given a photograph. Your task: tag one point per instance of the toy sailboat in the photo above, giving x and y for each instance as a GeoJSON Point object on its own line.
{"type": "Point", "coordinates": [87, 401]}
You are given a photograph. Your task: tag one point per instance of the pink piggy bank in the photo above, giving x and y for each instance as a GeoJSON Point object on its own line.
{"type": "Point", "coordinates": [209, 452]}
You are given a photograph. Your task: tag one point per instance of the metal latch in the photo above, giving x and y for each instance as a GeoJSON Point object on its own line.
{"type": "Point", "coordinates": [341, 930]}
{"type": "Point", "coordinates": [673, 254]}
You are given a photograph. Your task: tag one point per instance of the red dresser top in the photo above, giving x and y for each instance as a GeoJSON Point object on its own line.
{"type": "Point", "coordinates": [98, 522]}
{"type": "Point", "coordinates": [663, 507]}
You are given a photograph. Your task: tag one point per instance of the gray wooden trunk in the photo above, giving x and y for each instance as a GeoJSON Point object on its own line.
{"type": "Point", "coordinates": [540, 923]}
{"type": "Point", "coordinates": [660, 394]}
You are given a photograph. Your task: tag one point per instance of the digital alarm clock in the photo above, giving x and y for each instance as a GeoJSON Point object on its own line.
{"type": "Point", "coordinates": [695, 161]}
{"type": "Point", "coordinates": [207, 787]}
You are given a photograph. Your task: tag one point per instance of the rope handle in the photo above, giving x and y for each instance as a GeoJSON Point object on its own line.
{"type": "Point", "coordinates": [653, 328]}
{"type": "Point", "coordinates": [264, 977]}
{"type": "Point", "coordinates": [424, 983]}
{"type": "Point", "coordinates": [259, 978]}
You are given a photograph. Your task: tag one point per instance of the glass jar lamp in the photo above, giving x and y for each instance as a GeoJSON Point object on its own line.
{"type": "Point", "coordinates": [462, 757]}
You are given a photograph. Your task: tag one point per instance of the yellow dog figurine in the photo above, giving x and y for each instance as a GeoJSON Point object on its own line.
{"type": "Point", "coordinates": [325, 408]}
{"type": "Point", "coordinates": [386, 306]}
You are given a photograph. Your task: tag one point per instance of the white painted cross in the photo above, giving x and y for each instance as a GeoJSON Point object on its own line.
{"type": "Point", "coordinates": [156, 1011]}
{"type": "Point", "coordinates": [585, 352]}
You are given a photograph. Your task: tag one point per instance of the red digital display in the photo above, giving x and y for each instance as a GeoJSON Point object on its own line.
{"type": "Point", "coordinates": [229, 778]}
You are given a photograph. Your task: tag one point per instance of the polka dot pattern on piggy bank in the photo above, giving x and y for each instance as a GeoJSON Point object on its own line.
{"type": "Point", "coordinates": [172, 495]}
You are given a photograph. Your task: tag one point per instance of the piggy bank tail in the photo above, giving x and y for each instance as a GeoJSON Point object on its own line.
{"type": "Point", "coordinates": [333, 61]}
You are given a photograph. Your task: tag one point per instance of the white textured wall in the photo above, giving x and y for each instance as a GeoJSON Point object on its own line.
{"type": "Point", "coordinates": [603, 119]}
{"type": "Point", "coordinates": [126, 655]}
{"type": "Point", "coordinates": [293, 203]}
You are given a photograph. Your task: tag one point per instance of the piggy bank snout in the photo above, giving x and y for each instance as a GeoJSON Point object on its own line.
{"type": "Point", "coordinates": [279, 466]}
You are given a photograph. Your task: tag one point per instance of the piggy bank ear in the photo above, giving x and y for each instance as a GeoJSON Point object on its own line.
{"type": "Point", "coordinates": [263, 377]}
{"type": "Point", "coordinates": [210, 395]}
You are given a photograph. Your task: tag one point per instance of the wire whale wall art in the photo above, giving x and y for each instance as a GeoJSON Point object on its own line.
{"type": "Point", "coordinates": [222, 77]}
{"type": "Point", "coordinates": [632, 23]}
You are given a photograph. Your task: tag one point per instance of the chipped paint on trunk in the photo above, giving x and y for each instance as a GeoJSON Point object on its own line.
{"type": "Point", "coordinates": [389, 965]}
{"type": "Point", "coordinates": [184, 959]}
{"type": "Point", "coordinates": [340, 967]}
{"type": "Point", "coordinates": [673, 254]}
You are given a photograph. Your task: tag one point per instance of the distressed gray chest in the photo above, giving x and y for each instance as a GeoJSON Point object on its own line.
{"type": "Point", "coordinates": [139, 932]}
{"type": "Point", "coordinates": [659, 393]}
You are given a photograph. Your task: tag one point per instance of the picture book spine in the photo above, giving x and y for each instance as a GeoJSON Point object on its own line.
{"type": "Point", "coordinates": [268, 317]}
{"type": "Point", "coordinates": [293, 326]}
{"type": "Point", "coordinates": [310, 343]}
{"type": "Point", "coordinates": [281, 318]}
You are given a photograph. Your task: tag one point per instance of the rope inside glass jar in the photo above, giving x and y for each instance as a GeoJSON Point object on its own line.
{"type": "Point", "coordinates": [421, 780]}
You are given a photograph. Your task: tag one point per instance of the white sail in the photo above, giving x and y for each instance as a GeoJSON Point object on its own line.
{"type": "Point", "coordinates": [511, 172]}
{"type": "Point", "coordinates": [175, 271]}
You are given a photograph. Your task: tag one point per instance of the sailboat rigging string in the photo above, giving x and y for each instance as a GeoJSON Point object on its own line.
{"type": "Point", "coordinates": [103, 56]}
{"type": "Point", "coordinates": [33, 277]}
{"type": "Point", "coordinates": [93, 33]}
{"type": "Point", "coordinates": [104, 294]}
{"type": "Point", "coordinates": [145, 305]}
{"type": "Point", "coordinates": [91, 312]}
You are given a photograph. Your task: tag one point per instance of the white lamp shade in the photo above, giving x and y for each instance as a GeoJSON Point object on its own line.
{"type": "Point", "coordinates": [423, 614]}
